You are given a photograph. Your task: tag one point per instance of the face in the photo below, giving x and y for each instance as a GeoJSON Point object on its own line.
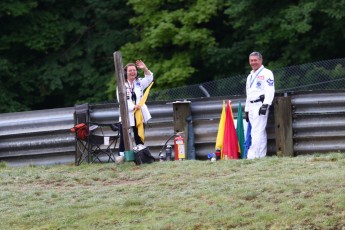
{"type": "Point", "coordinates": [255, 62]}
{"type": "Point", "coordinates": [131, 72]}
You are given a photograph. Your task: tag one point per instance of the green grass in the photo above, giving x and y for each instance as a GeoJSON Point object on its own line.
{"type": "Point", "coordinates": [306, 192]}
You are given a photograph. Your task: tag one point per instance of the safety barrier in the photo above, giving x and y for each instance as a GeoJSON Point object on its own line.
{"type": "Point", "coordinates": [43, 137]}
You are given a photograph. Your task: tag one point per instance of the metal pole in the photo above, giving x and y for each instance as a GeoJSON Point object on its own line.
{"type": "Point", "coordinates": [122, 99]}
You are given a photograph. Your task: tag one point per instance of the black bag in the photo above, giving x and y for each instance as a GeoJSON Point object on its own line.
{"type": "Point", "coordinates": [142, 155]}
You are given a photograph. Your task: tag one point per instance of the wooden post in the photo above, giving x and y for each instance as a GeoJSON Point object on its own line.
{"type": "Point", "coordinates": [122, 99]}
{"type": "Point", "coordinates": [283, 126]}
{"type": "Point", "coordinates": [181, 110]}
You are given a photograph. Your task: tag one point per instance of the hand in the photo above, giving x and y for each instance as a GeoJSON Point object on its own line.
{"type": "Point", "coordinates": [263, 109]}
{"type": "Point", "coordinates": [137, 107]}
{"type": "Point", "coordinates": [141, 65]}
{"type": "Point", "coordinates": [247, 117]}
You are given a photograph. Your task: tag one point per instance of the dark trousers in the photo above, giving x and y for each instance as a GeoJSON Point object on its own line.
{"type": "Point", "coordinates": [136, 138]}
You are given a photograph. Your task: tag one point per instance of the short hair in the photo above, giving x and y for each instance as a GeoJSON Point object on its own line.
{"type": "Point", "coordinates": [255, 53]}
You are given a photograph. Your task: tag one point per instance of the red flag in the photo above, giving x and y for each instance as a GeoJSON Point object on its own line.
{"type": "Point", "coordinates": [230, 144]}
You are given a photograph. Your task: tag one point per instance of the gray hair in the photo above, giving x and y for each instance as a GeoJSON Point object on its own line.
{"type": "Point", "coordinates": [255, 53]}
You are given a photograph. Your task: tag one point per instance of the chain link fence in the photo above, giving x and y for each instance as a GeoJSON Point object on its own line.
{"type": "Point", "coordinates": [323, 75]}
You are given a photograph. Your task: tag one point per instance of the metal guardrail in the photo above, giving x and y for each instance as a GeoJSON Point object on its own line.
{"type": "Point", "coordinates": [43, 137]}
{"type": "Point", "coordinates": [37, 137]}
{"type": "Point", "coordinates": [318, 122]}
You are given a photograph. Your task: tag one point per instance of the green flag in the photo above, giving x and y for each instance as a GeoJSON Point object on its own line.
{"type": "Point", "coordinates": [240, 129]}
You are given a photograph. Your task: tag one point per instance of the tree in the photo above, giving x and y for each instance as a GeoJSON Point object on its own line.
{"type": "Point", "coordinates": [55, 54]}
{"type": "Point", "coordinates": [285, 32]}
{"type": "Point", "coordinates": [174, 38]}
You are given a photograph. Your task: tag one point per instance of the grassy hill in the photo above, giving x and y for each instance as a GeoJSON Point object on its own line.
{"type": "Point", "coordinates": [305, 192]}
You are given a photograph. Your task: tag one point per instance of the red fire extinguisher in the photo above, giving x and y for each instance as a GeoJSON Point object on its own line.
{"type": "Point", "coordinates": [179, 148]}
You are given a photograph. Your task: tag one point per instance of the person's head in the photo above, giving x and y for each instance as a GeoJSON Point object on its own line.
{"type": "Point", "coordinates": [130, 71]}
{"type": "Point", "coordinates": [255, 60]}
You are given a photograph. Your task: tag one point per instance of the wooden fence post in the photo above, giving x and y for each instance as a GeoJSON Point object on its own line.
{"type": "Point", "coordinates": [283, 126]}
{"type": "Point", "coordinates": [122, 99]}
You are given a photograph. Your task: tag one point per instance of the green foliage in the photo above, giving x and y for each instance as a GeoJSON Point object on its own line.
{"type": "Point", "coordinates": [8, 98]}
{"type": "Point", "coordinates": [54, 54]}
{"type": "Point", "coordinates": [329, 75]}
{"type": "Point", "coordinates": [174, 36]}
{"type": "Point", "coordinates": [286, 33]}
{"type": "Point", "coordinates": [61, 54]}
{"type": "Point", "coordinates": [16, 8]}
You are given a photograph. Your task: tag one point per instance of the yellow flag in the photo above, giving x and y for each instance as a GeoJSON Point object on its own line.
{"type": "Point", "coordinates": [220, 134]}
{"type": "Point", "coordinates": [139, 115]}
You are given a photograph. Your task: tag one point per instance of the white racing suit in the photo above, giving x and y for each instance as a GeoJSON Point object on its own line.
{"type": "Point", "coordinates": [138, 87]}
{"type": "Point", "coordinates": [260, 82]}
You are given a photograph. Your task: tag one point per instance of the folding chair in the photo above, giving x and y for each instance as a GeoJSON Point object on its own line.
{"type": "Point", "coordinates": [95, 142]}
{"type": "Point", "coordinates": [103, 139]}
{"type": "Point", "coordinates": [81, 129]}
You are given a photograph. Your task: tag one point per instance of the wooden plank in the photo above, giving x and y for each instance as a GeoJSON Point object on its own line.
{"type": "Point", "coordinates": [283, 126]}
{"type": "Point", "coordinates": [122, 99]}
